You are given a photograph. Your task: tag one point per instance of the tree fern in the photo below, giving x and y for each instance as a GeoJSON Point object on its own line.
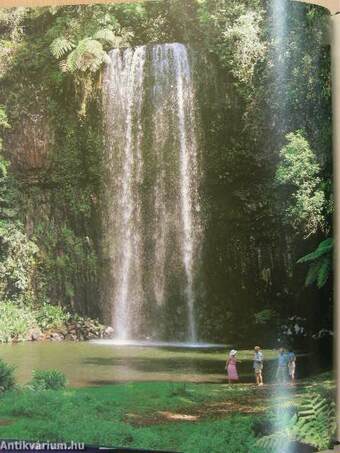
{"type": "Point", "coordinates": [320, 263]}
{"type": "Point", "coordinates": [89, 55]}
{"type": "Point", "coordinates": [85, 58]}
{"type": "Point", "coordinates": [60, 47]}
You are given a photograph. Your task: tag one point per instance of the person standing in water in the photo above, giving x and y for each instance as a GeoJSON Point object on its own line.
{"type": "Point", "coordinates": [291, 365]}
{"type": "Point", "coordinates": [232, 374]}
{"type": "Point", "coordinates": [258, 365]}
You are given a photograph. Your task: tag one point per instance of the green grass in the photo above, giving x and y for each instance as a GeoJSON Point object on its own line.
{"type": "Point", "coordinates": [144, 415]}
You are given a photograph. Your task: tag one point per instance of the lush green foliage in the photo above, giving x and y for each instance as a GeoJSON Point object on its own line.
{"type": "Point", "coordinates": [126, 415]}
{"type": "Point", "coordinates": [15, 321]}
{"type": "Point", "coordinates": [316, 424]}
{"type": "Point", "coordinates": [265, 316]}
{"type": "Point", "coordinates": [17, 251]}
{"type": "Point", "coordinates": [48, 380]}
{"type": "Point", "coordinates": [88, 54]}
{"type": "Point", "coordinates": [19, 320]}
{"type": "Point", "coordinates": [307, 207]}
{"type": "Point", "coordinates": [280, 440]}
{"type": "Point", "coordinates": [17, 261]}
{"type": "Point", "coordinates": [7, 379]}
{"type": "Point", "coordinates": [136, 414]}
{"type": "Point", "coordinates": [243, 45]}
{"type": "Point", "coordinates": [320, 263]}
{"type": "Point", "coordinates": [299, 171]}
{"type": "Point", "coordinates": [3, 125]}
{"type": "Point", "coordinates": [51, 316]}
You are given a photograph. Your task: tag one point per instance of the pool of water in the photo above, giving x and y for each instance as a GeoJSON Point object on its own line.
{"type": "Point", "coordinates": [103, 363]}
{"type": "Point", "coordinates": [159, 344]}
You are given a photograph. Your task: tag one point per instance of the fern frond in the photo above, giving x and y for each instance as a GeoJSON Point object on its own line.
{"type": "Point", "coordinates": [60, 47]}
{"type": "Point", "coordinates": [315, 425]}
{"type": "Point", "coordinates": [63, 66]}
{"type": "Point", "coordinates": [312, 274]}
{"type": "Point", "coordinates": [316, 422]}
{"type": "Point", "coordinates": [89, 55]}
{"type": "Point", "coordinates": [107, 36]}
{"type": "Point", "coordinates": [320, 263]}
{"type": "Point", "coordinates": [323, 248]}
{"type": "Point", "coordinates": [324, 271]}
{"type": "Point", "coordinates": [275, 442]}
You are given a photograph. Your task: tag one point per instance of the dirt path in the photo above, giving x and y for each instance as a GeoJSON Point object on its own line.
{"type": "Point", "coordinates": [258, 400]}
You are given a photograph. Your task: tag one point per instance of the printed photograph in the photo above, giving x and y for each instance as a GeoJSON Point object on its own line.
{"type": "Point", "coordinates": [166, 226]}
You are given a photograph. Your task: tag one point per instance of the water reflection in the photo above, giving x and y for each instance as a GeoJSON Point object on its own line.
{"type": "Point", "coordinates": [88, 364]}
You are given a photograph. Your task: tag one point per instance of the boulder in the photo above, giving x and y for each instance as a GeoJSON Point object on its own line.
{"type": "Point", "coordinates": [71, 337]}
{"type": "Point", "coordinates": [109, 332]}
{"type": "Point", "coordinates": [56, 336]}
{"type": "Point", "coordinates": [91, 336]}
{"type": "Point", "coordinates": [35, 334]}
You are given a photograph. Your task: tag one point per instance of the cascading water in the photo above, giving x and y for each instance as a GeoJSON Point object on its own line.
{"type": "Point", "coordinates": [123, 104]}
{"type": "Point", "coordinates": [152, 224]}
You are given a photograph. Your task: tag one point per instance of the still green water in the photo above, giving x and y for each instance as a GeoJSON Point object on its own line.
{"type": "Point", "coordinates": [88, 364]}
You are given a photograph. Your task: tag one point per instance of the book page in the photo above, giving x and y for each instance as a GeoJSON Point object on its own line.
{"type": "Point", "coordinates": [166, 225]}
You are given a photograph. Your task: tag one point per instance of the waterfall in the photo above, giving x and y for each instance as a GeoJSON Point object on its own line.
{"type": "Point", "coordinates": [152, 223]}
{"type": "Point", "coordinates": [123, 104]}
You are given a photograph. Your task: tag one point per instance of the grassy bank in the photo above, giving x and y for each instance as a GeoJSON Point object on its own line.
{"type": "Point", "coordinates": [190, 418]}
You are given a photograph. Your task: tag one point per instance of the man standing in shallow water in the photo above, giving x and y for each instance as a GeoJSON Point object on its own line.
{"type": "Point", "coordinates": [258, 365]}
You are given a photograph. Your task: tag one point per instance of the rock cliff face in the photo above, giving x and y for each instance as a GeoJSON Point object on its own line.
{"type": "Point", "coordinates": [55, 159]}
{"type": "Point", "coordinates": [30, 143]}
